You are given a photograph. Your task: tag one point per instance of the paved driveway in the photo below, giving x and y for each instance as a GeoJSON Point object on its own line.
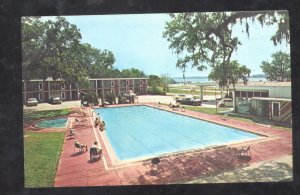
{"type": "Point", "coordinates": [141, 99]}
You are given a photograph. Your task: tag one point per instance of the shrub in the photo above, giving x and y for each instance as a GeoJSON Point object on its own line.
{"type": "Point", "coordinates": [156, 91]}
{"type": "Point", "coordinates": [90, 98]}
{"type": "Point", "coordinates": [110, 98]}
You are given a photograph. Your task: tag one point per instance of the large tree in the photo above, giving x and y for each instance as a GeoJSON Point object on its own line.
{"type": "Point", "coordinates": [52, 48]}
{"type": "Point", "coordinates": [279, 69]}
{"type": "Point", "coordinates": [46, 47]}
{"type": "Point", "coordinates": [165, 80]}
{"type": "Point", "coordinates": [229, 74]}
{"type": "Point", "coordinates": [206, 39]}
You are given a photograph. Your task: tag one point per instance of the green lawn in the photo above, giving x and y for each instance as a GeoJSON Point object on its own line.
{"type": "Point", "coordinates": [240, 118]}
{"type": "Point", "coordinates": [29, 116]}
{"type": "Point", "coordinates": [180, 91]}
{"type": "Point", "coordinates": [41, 156]}
{"type": "Point", "coordinates": [204, 109]}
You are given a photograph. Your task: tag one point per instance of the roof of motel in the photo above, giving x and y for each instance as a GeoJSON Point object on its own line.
{"type": "Point", "coordinates": [271, 99]}
{"type": "Point", "coordinates": [264, 84]}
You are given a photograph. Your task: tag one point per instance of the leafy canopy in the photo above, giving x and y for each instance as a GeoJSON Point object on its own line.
{"type": "Point", "coordinates": [279, 69]}
{"type": "Point", "coordinates": [206, 39]}
{"type": "Point", "coordinates": [53, 48]}
{"type": "Point", "coordinates": [202, 39]}
{"type": "Point", "coordinates": [229, 74]}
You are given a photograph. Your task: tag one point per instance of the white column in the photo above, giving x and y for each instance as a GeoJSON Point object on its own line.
{"type": "Point", "coordinates": [233, 100]}
{"type": "Point", "coordinates": [70, 98]}
{"type": "Point", "coordinates": [201, 95]}
{"type": "Point", "coordinates": [49, 89]}
{"type": "Point", "coordinates": [119, 86]}
{"type": "Point", "coordinates": [102, 88]}
{"type": "Point", "coordinates": [96, 87]}
{"type": "Point", "coordinates": [133, 85]}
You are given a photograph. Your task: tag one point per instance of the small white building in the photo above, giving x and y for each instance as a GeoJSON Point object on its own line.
{"type": "Point", "coordinates": [272, 100]}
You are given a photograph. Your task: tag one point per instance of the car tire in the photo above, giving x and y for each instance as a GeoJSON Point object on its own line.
{"type": "Point", "coordinates": [221, 105]}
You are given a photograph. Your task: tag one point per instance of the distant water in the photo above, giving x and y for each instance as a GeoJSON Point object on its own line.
{"type": "Point", "coordinates": [205, 79]}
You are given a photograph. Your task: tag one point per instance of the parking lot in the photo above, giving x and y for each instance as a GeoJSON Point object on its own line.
{"type": "Point", "coordinates": [210, 103]}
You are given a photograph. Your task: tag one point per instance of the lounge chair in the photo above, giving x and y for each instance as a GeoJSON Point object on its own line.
{"type": "Point", "coordinates": [79, 122]}
{"type": "Point", "coordinates": [244, 151]}
{"type": "Point", "coordinates": [72, 132]}
{"type": "Point", "coordinates": [81, 147]}
{"type": "Point", "coordinates": [95, 153]}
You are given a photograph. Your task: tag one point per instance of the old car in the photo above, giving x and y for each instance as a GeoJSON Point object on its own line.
{"type": "Point", "coordinates": [32, 102]}
{"type": "Point", "coordinates": [226, 102]}
{"type": "Point", "coordinates": [55, 100]}
{"type": "Point", "coordinates": [189, 101]}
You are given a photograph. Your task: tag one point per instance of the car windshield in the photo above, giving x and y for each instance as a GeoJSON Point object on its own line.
{"type": "Point", "coordinates": [31, 99]}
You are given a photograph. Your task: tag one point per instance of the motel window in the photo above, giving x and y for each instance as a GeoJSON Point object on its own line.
{"type": "Point", "coordinates": [63, 86]}
{"type": "Point", "coordinates": [250, 94]}
{"type": "Point", "coordinates": [63, 95]}
{"type": "Point", "coordinates": [141, 90]}
{"type": "Point", "coordinates": [112, 83]}
{"type": "Point", "coordinates": [127, 83]}
{"type": "Point", "coordinates": [237, 94]}
{"type": "Point", "coordinates": [41, 96]}
{"type": "Point", "coordinates": [141, 82]}
{"type": "Point", "coordinates": [256, 94]}
{"type": "Point", "coordinates": [276, 108]}
{"type": "Point", "coordinates": [40, 85]}
{"type": "Point", "coordinates": [243, 94]}
{"type": "Point", "coordinates": [264, 94]}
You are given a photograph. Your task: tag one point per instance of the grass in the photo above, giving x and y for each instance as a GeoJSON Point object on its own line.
{"type": "Point", "coordinates": [204, 109]}
{"type": "Point", "coordinates": [29, 116]}
{"type": "Point", "coordinates": [283, 128]}
{"type": "Point", "coordinates": [180, 91]}
{"type": "Point", "coordinates": [41, 156]}
{"type": "Point", "coordinates": [241, 118]}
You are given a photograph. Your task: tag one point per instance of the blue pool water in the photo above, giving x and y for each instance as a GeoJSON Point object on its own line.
{"type": "Point", "coordinates": [142, 131]}
{"type": "Point", "coordinates": [53, 123]}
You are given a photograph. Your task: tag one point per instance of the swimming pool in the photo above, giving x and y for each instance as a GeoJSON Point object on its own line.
{"type": "Point", "coordinates": [136, 132]}
{"type": "Point", "coordinates": [52, 123]}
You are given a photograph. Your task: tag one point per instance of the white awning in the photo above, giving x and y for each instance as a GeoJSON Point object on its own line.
{"type": "Point", "coordinates": [271, 99]}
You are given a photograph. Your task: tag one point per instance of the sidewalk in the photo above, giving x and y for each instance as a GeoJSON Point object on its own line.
{"type": "Point", "coordinates": [266, 171]}
{"type": "Point", "coordinates": [75, 168]}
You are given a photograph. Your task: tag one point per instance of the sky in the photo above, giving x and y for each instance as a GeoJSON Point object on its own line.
{"type": "Point", "coordinates": [136, 41]}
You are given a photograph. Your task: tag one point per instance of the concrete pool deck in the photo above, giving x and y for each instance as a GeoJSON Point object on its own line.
{"type": "Point", "coordinates": [212, 165]}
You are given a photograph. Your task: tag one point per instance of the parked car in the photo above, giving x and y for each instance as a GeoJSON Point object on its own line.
{"type": "Point", "coordinates": [189, 101]}
{"type": "Point", "coordinates": [55, 100]}
{"type": "Point", "coordinates": [180, 96]}
{"type": "Point", "coordinates": [225, 102]}
{"type": "Point", "coordinates": [32, 102]}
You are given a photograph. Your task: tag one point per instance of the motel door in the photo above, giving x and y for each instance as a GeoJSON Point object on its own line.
{"type": "Point", "coordinates": [265, 109]}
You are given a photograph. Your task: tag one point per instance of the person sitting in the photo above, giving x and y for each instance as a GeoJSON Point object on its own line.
{"type": "Point", "coordinates": [102, 126]}
{"type": "Point", "coordinates": [174, 105]}
{"type": "Point", "coordinates": [97, 122]}
{"type": "Point", "coordinates": [95, 150]}
{"type": "Point", "coordinates": [81, 147]}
